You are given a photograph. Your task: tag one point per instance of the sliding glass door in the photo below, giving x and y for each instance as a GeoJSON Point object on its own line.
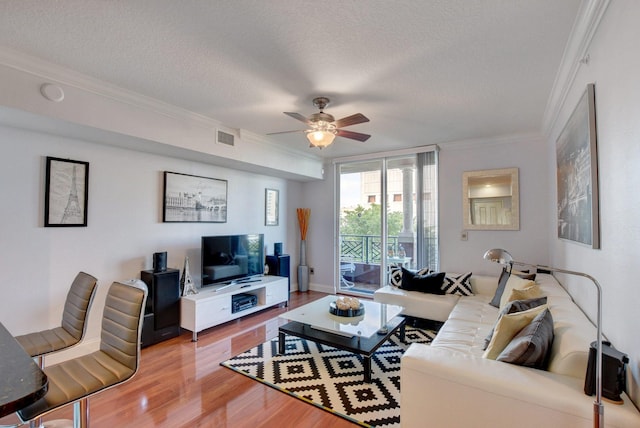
{"type": "Point", "coordinates": [387, 217]}
{"type": "Point", "coordinates": [360, 226]}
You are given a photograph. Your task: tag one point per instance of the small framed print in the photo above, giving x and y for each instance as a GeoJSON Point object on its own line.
{"type": "Point", "coordinates": [66, 193]}
{"type": "Point", "coordinates": [194, 199]}
{"type": "Point", "coordinates": [271, 207]}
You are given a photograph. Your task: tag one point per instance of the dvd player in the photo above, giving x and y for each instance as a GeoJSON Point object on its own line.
{"type": "Point", "coordinates": [243, 301]}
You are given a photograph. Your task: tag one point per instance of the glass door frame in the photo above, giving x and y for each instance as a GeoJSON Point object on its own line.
{"type": "Point", "coordinates": [382, 157]}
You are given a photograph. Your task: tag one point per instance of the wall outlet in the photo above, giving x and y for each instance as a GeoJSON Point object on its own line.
{"type": "Point", "coordinates": [464, 235]}
{"type": "Point", "coordinates": [311, 271]}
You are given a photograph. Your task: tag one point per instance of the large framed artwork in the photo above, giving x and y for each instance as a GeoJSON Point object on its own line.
{"type": "Point", "coordinates": [194, 199]}
{"type": "Point", "coordinates": [577, 175]}
{"type": "Point", "coordinates": [66, 193]}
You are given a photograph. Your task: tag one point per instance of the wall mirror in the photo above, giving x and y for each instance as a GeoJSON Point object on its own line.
{"type": "Point", "coordinates": [490, 199]}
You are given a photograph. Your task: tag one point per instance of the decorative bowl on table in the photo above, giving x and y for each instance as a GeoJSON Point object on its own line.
{"type": "Point", "coordinates": [346, 307]}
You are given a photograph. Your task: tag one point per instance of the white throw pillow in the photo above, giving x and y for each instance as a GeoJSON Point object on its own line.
{"type": "Point", "coordinates": [458, 284]}
{"type": "Point", "coordinates": [514, 282]}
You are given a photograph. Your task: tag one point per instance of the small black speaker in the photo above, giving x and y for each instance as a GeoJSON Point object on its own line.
{"type": "Point", "coordinates": [160, 261]}
{"type": "Point", "coordinates": [614, 379]}
{"type": "Point", "coordinates": [277, 248]}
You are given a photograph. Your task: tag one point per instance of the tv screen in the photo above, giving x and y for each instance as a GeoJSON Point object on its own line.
{"type": "Point", "coordinates": [231, 257]}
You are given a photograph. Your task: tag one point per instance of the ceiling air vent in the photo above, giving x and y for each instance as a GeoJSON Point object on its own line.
{"type": "Point", "coordinates": [225, 138]}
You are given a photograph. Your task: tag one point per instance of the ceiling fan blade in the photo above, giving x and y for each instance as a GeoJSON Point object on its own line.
{"type": "Point", "coordinates": [353, 135]}
{"type": "Point", "coordinates": [354, 119]}
{"type": "Point", "coordinates": [285, 132]}
{"type": "Point", "coordinates": [298, 116]}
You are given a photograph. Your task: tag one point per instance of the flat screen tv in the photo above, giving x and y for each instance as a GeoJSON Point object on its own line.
{"type": "Point", "coordinates": [231, 258]}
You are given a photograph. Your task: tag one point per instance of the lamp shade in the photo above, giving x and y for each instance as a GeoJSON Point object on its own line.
{"type": "Point", "coordinates": [320, 138]}
{"type": "Point", "coordinates": [498, 255]}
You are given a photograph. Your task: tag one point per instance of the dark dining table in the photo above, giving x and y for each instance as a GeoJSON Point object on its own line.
{"type": "Point", "coordinates": [22, 382]}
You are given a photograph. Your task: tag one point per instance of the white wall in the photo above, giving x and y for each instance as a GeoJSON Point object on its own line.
{"type": "Point", "coordinates": [321, 251]}
{"type": "Point", "coordinates": [527, 153]}
{"type": "Point", "coordinates": [124, 223]}
{"type": "Point", "coordinates": [614, 66]}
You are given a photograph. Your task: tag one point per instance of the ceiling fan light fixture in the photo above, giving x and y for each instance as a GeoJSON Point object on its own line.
{"type": "Point", "coordinates": [320, 138]}
{"type": "Point", "coordinates": [323, 127]}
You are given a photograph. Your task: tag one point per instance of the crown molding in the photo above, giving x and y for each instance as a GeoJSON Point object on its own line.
{"type": "Point", "coordinates": [500, 140]}
{"type": "Point", "coordinates": [378, 155]}
{"type": "Point", "coordinates": [66, 76]}
{"type": "Point", "coordinates": [257, 153]}
{"type": "Point", "coordinates": [574, 57]}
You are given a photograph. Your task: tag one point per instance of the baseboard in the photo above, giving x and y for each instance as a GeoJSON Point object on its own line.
{"type": "Point", "coordinates": [322, 288]}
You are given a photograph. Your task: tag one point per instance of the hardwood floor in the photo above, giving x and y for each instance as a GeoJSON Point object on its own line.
{"type": "Point", "coordinates": [181, 384]}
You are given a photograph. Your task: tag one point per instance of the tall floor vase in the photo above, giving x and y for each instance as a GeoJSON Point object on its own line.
{"type": "Point", "coordinates": [303, 269]}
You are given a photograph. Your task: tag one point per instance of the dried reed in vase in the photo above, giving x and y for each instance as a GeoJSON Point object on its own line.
{"type": "Point", "coordinates": [303, 221]}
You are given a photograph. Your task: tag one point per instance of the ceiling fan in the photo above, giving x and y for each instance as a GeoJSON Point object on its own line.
{"type": "Point", "coordinates": [324, 128]}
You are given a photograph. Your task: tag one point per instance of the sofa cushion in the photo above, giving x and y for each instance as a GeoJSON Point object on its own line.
{"type": "Point", "coordinates": [573, 332]}
{"type": "Point", "coordinates": [475, 309]}
{"type": "Point", "coordinates": [416, 304]}
{"type": "Point", "coordinates": [507, 327]}
{"type": "Point", "coordinates": [464, 338]}
{"type": "Point", "coordinates": [502, 282]}
{"type": "Point", "coordinates": [523, 305]}
{"type": "Point", "coordinates": [531, 292]}
{"type": "Point", "coordinates": [517, 306]}
{"type": "Point", "coordinates": [551, 287]}
{"type": "Point", "coordinates": [395, 274]}
{"type": "Point", "coordinates": [532, 345]}
{"type": "Point", "coordinates": [514, 282]}
{"type": "Point", "coordinates": [427, 283]}
{"type": "Point", "coordinates": [458, 284]}
{"type": "Point", "coordinates": [485, 285]}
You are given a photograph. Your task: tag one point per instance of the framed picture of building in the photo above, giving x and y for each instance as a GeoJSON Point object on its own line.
{"type": "Point", "coordinates": [577, 175]}
{"type": "Point", "coordinates": [194, 199]}
{"type": "Point", "coordinates": [66, 193]}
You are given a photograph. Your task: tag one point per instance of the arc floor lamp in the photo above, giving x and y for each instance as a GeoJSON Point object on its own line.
{"type": "Point", "coordinates": [503, 257]}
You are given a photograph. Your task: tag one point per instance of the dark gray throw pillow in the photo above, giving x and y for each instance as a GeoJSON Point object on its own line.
{"type": "Point", "coordinates": [427, 283]}
{"type": "Point", "coordinates": [515, 306]}
{"type": "Point", "coordinates": [502, 282]}
{"type": "Point", "coordinates": [526, 275]}
{"type": "Point", "coordinates": [531, 346]}
{"type": "Point", "coordinates": [523, 305]}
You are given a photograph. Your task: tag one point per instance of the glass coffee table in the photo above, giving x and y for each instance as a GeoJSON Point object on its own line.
{"type": "Point", "coordinates": [361, 335]}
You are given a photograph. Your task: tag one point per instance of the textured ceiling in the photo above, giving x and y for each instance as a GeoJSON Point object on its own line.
{"type": "Point", "coordinates": [424, 72]}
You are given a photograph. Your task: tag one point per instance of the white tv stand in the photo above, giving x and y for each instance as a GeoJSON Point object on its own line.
{"type": "Point", "coordinates": [211, 307]}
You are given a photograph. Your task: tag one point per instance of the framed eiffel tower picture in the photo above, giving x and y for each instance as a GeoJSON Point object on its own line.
{"type": "Point", "coordinates": [66, 193]}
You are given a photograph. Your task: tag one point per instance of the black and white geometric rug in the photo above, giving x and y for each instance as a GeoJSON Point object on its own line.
{"type": "Point", "coordinates": [333, 379]}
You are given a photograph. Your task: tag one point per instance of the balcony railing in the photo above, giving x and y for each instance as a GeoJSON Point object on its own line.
{"type": "Point", "coordinates": [367, 249]}
{"type": "Point", "coordinates": [364, 248]}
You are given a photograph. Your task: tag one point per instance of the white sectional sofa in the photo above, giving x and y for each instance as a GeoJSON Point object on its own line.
{"type": "Point", "coordinates": [449, 384]}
